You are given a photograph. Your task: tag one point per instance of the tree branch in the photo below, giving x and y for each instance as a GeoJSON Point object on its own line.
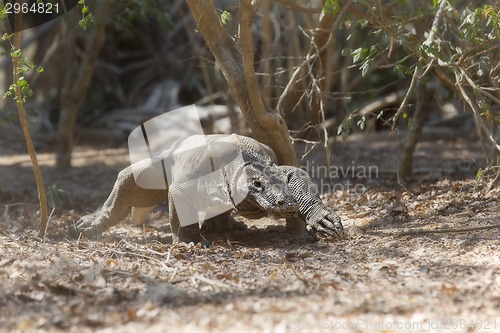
{"type": "Point", "coordinates": [315, 50]}
{"type": "Point", "coordinates": [248, 8]}
{"type": "Point", "coordinates": [267, 125]}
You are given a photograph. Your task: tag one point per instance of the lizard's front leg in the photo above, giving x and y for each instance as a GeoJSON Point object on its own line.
{"type": "Point", "coordinates": [185, 234]}
{"type": "Point", "coordinates": [316, 215]}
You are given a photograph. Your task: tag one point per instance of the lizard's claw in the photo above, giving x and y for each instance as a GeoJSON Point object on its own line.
{"type": "Point", "coordinates": [84, 226]}
{"type": "Point", "coordinates": [326, 221]}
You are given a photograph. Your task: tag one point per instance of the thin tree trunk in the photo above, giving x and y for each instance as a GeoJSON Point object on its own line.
{"type": "Point", "coordinates": [77, 82]}
{"type": "Point", "coordinates": [405, 166]}
{"type": "Point", "coordinates": [24, 125]}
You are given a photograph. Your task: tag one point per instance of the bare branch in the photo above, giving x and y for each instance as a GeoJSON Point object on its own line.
{"type": "Point", "coordinates": [313, 53]}
{"type": "Point", "coordinates": [478, 89]}
{"type": "Point", "coordinates": [435, 23]}
{"type": "Point", "coordinates": [477, 112]}
{"type": "Point", "coordinates": [406, 98]}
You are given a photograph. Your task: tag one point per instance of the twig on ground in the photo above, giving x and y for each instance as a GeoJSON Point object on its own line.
{"type": "Point", "coordinates": [7, 206]}
{"type": "Point", "coordinates": [160, 263]}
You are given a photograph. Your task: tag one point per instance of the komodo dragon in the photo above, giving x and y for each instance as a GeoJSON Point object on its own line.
{"type": "Point", "coordinates": [278, 191]}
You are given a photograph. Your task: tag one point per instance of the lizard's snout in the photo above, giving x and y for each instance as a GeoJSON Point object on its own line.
{"type": "Point", "coordinates": [287, 207]}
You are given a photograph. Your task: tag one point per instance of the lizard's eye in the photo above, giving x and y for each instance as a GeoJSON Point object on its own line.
{"type": "Point", "coordinates": [257, 183]}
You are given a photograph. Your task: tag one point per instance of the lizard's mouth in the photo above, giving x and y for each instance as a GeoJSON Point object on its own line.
{"type": "Point", "coordinates": [257, 214]}
{"type": "Point", "coordinates": [283, 209]}
{"type": "Point", "coordinates": [253, 208]}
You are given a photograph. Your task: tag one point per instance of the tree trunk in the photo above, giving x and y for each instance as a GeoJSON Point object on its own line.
{"type": "Point", "coordinates": [237, 65]}
{"type": "Point", "coordinates": [77, 82]}
{"type": "Point", "coordinates": [405, 166]}
{"type": "Point", "coordinates": [16, 72]}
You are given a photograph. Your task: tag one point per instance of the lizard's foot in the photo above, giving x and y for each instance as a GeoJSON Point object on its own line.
{"type": "Point", "coordinates": [87, 225]}
{"type": "Point", "coordinates": [326, 221]}
{"type": "Point", "coordinates": [188, 234]}
{"type": "Point", "coordinates": [222, 224]}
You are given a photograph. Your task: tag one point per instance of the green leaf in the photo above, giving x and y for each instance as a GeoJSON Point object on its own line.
{"type": "Point", "coordinates": [22, 82]}
{"type": "Point", "coordinates": [26, 91]}
{"type": "Point", "coordinates": [400, 70]}
{"type": "Point", "coordinates": [358, 54]}
{"type": "Point", "coordinates": [226, 17]}
{"type": "Point", "coordinates": [479, 174]}
{"type": "Point", "coordinates": [84, 22]}
{"type": "Point", "coordinates": [7, 94]}
{"type": "Point", "coordinates": [16, 53]}
{"type": "Point", "coordinates": [331, 7]}
{"type": "Point", "coordinates": [346, 52]}
{"type": "Point", "coordinates": [3, 11]}
{"type": "Point", "coordinates": [345, 127]}
{"type": "Point", "coordinates": [367, 66]}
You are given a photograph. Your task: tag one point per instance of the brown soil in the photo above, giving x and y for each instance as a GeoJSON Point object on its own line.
{"type": "Point", "coordinates": [403, 266]}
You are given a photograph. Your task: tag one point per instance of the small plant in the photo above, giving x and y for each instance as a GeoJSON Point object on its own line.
{"type": "Point", "coordinates": [25, 67]}
{"type": "Point", "coordinates": [87, 16]}
{"type": "Point", "coordinates": [20, 90]}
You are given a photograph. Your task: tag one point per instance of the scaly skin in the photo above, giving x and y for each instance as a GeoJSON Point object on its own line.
{"type": "Point", "coordinates": [277, 191]}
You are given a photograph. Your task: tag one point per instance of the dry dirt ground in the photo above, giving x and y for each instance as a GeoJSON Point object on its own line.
{"type": "Point", "coordinates": [403, 266]}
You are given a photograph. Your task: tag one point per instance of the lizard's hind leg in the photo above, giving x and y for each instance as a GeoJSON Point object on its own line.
{"type": "Point", "coordinates": [221, 223]}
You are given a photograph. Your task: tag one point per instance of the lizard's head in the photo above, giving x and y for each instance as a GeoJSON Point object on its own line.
{"type": "Point", "coordinates": [268, 193]}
